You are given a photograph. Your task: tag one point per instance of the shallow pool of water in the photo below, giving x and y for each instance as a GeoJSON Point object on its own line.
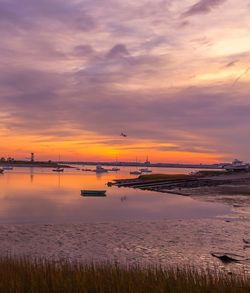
{"type": "Point", "coordinates": [38, 195]}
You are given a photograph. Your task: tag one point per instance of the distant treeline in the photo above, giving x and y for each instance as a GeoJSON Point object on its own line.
{"type": "Point", "coordinates": [23, 163]}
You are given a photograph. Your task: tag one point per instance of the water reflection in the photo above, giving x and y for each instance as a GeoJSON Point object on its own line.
{"type": "Point", "coordinates": [124, 198]}
{"type": "Point", "coordinates": [40, 196]}
{"type": "Point", "coordinates": [31, 174]}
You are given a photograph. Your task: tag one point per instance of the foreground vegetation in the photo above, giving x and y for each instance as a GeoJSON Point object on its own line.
{"type": "Point", "coordinates": [23, 275]}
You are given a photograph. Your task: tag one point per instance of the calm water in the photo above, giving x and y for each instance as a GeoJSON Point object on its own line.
{"type": "Point", "coordinates": [38, 195]}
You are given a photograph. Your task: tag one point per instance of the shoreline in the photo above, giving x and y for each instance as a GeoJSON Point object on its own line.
{"type": "Point", "coordinates": [35, 164]}
{"type": "Point", "coordinates": [211, 184]}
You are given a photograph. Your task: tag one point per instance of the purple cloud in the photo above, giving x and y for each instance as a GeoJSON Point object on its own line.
{"type": "Point", "coordinates": [39, 106]}
{"type": "Point", "coordinates": [119, 50]}
{"type": "Point", "coordinates": [32, 14]}
{"type": "Point", "coordinates": [203, 6]}
{"type": "Point", "coordinates": [83, 50]}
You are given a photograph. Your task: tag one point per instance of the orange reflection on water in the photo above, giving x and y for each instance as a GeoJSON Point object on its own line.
{"type": "Point", "coordinates": [42, 196]}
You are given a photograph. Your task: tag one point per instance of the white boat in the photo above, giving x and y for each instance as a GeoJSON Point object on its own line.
{"type": "Point", "coordinates": [58, 169]}
{"type": "Point", "coordinates": [135, 172]}
{"type": "Point", "coordinates": [7, 168]}
{"type": "Point", "coordinates": [100, 169]}
{"type": "Point", "coordinates": [145, 170]}
{"type": "Point", "coordinates": [237, 165]}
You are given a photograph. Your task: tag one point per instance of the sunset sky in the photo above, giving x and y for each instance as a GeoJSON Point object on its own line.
{"type": "Point", "coordinates": [172, 74]}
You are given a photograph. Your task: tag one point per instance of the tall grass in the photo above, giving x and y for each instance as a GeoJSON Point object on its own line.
{"type": "Point", "coordinates": [26, 276]}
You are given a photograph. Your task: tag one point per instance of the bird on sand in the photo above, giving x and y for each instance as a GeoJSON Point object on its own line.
{"type": "Point", "coordinates": [246, 241]}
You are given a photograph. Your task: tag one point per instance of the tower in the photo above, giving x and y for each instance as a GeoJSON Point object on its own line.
{"type": "Point", "coordinates": [32, 158]}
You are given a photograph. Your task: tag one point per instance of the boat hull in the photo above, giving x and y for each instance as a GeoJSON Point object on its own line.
{"type": "Point", "coordinates": [135, 173]}
{"type": "Point", "coordinates": [7, 168]}
{"type": "Point", "coordinates": [237, 168]}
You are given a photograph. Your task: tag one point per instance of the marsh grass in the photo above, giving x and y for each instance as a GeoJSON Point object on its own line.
{"type": "Point", "coordinates": [26, 276]}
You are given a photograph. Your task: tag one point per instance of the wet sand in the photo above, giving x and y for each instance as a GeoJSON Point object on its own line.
{"type": "Point", "coordinates": [236, 194]}
{"type": "Point", "coordinates": [166, 243]}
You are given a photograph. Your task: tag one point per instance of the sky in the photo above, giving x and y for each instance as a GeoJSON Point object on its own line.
{"type": "Point", "coordinates": [172, 74]}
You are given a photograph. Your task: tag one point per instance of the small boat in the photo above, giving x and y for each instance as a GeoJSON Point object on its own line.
{"type": "Point", "coordinates": [7, 168]}
{"type": "Point", "coordinates": [100, 169]}
{"type": "Point", "coordinates": [237, 165]}
{"type": "Point", "coordinates": [135, 172]}
{"type": "Point", "coordinates": [58, 169]}
{"type": "Point", "coordinates": [145, 170]}
{"type": "Point", "coordinates": [1, 171]}
{"type": "Point", "coordinates": [93, 192]}
{"type": "Point", "coordinates": [115, 169]}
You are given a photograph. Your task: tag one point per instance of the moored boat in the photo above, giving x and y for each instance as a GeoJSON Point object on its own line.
{"type": "Point", "coordinates": [145, 170]}
{"type": "Point", "coordinates": [100, 169]}
{"type": "Point", "coordinates": [58, 169]}
{"type": "Point", "coordinates": [115, 169]}
{"type": "Point", "coordinates": [7, 168]}
{"type": "Point", "coordinates": [135, 172]}
{"type": "Point", "coordinates": [237, 165]}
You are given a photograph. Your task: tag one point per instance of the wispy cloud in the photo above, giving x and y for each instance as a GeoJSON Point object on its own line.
{"type": "Point", "coordinates": [231, 63]}
{"type": "Point", "coordinates": [203, 6]}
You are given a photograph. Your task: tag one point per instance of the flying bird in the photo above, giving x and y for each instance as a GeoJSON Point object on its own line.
{"type": "Point", "coordinates": [123, 134]}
